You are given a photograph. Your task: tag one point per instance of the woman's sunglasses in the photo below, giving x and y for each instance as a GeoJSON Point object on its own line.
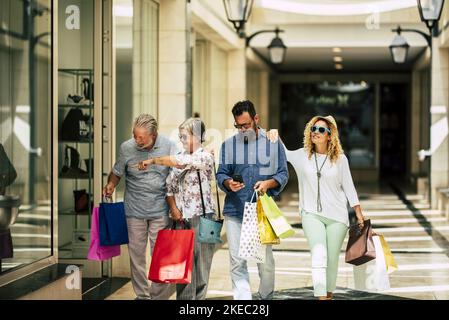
{"type": "Point", "coordinates": [321, 130]}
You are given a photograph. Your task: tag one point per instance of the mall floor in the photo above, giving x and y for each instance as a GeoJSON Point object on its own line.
{"type": "Point", "coordinates": [417, 235]}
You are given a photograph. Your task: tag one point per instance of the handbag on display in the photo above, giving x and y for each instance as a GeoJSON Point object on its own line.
{"type": "Point", "coordinates": [360, 248]}
{"type": "Point", "coordinates": [74, 126]}
{"type": "Point", "coordinates": [81, 200]}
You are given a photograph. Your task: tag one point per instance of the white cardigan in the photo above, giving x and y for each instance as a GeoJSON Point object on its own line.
{"type": "Point", "coordinates": [336, 185]}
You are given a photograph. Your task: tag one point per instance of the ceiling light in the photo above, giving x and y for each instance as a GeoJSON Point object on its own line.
{"type": "Point", "coordinates": [338, 66]}
{"type": "Point", "coordinates": [338, 59]}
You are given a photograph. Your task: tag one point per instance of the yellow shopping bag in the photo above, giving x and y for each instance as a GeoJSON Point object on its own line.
{"type": "Point", "coordinates": [389, 259]}
{"type": "Point", "coordinates": [277, 220]}
{"type": "Point", "coordinates": [267, 235]}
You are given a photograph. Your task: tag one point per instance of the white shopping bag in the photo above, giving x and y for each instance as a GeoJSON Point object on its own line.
{"type": "Point", "coordinates": [250, 247]}
{"type": "Point", "coordinates": [372, 276]}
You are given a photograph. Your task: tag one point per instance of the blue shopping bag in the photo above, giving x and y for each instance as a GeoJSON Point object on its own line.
{"type": "Point", "coordinates": [113, 227]}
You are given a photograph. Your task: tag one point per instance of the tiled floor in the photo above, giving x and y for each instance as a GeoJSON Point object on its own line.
{"type": "Point", "coordinates": [423, 263]}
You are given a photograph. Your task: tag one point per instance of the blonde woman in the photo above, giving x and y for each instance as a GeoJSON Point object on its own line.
{"type": "Point", "coordinates": [325, 187]}
{"type": "Point", "coordinates": [188, 201]}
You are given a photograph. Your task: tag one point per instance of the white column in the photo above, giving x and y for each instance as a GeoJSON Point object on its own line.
{"type": "Point", "coordinates": [236, 81]}
{"type": "Point", "coordinates": [173, 66]}
{"type": "Point", "coordinates": [274, 107]}
{"type": "Point", "coordinates": [415, 122]}
{"type": "Point", "coordinates": [439, 120]}
{"type": "Point", "coordinates": [264, 99]}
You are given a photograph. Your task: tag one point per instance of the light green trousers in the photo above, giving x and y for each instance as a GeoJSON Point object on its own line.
{"type": "Point", "coordinates": [325, 238]}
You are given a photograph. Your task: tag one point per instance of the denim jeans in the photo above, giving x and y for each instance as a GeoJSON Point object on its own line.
{"type": "Point", "coordinates": [239, 268]}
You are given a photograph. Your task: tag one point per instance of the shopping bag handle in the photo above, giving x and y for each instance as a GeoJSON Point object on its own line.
{"type": "Point", "coordinates": [257, 196]}
{"type": "Point", "coordinates": [359, 228]}
{"type": "Point", "coordinates": [107, 199]}
{"type": "Point", "coordinates": [201, 192]}
{"type": "Point", "coordinates": [183, 222]}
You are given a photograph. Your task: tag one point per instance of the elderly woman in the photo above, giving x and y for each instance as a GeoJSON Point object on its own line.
{"type": "Point", "coordinates": [188, 201]}
{"type": "Point", "coordinates": [325, 187]}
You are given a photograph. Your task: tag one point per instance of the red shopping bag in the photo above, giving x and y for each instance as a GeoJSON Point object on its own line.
{"type": "Point", "coordinates": [172, 257]}
{"type": "Point", "coordinates": [97, 251]}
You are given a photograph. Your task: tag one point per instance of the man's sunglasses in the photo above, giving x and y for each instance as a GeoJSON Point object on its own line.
{"type": "Point", "coordinates": [321, 130]}
{"type": "Point", "coordinates": [245, 126]}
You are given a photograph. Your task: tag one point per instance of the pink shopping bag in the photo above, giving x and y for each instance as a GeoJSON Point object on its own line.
{"type": "Point", "coordinates": [96, 251]}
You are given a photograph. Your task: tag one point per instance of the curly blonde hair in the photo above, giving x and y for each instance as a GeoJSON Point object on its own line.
{"type": "Point", "coordinates": [334, 149]}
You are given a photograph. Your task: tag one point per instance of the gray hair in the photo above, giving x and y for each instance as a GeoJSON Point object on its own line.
{"type": "Point", "coordinates": [146, 121]}
{"type": "Point", "coordinates": [195, 127]}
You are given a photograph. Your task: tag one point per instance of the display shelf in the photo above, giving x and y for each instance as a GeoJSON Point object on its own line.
{"type": "Point", "coordinates": [76, 224]}
{"type": "Point", "coordinates": [73, 213]}
{"type": "Point", "coordinates": [69, 106]}
{"type": "Point", "coordinates": [75, 141]}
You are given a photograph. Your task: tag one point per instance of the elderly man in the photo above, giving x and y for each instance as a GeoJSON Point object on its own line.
{"type": "Point", "coordinates": [145, 204]}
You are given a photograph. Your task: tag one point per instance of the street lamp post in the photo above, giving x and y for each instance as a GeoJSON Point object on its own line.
{"type": "Point", "coordinates": [430, 13]}
{"type": "Point", "coordinates": [399, 46]}
{"type": "Point", "coordinates": [238, 12]}
{"type": "Point", "coordinates": [399, 49]}
{"type": "Point", "coordinates": [277, 48]}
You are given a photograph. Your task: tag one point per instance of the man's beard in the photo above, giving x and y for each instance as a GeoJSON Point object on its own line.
{"type": "Point", "coordinates": [144, 147]}
{"type": "Point", "coordinates": [249, 134]}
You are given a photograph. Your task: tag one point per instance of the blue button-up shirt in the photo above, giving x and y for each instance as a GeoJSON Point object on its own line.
{"type": "Point", "coordinates": [256, 160]}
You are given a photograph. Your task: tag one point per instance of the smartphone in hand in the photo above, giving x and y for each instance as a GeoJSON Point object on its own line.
{"type": "Point", "coordinates": [237, 178]}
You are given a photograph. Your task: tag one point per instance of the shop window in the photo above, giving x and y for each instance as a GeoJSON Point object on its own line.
{"type": "Point", "coordinates": [136, 50]}
{"type": "Point", "coordinates": [25, 133]}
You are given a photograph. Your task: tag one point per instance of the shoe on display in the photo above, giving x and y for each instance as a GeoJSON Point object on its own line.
{"type": "Point", "coordinates": [74, 99]}
{"type": "Point", "coordinates": [71, 167]}
{"type": "Point", "coordinates": [88, 89]}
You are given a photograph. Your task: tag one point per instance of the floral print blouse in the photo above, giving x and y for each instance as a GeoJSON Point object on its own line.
{"type": "Point", "coordinates": [183, 183]}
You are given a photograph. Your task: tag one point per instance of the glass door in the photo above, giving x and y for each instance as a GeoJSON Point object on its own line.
{"type": "Point", "coordinates": [25, 133]}
{"type": "Point", "coordinates": [79, 130]}
{"type": "Point", "coordinates": [76, 104]}
{"type": "Point", "coordinates": [136, 66]}
{"type": "Point", "coordinates": [107, 104]}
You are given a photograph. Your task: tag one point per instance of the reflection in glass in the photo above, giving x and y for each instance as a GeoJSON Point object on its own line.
{"type": "Point", "coordinates": [25, 112]}
{"type": "Point", "coordinates": [136, 29]}
{"type": "Point", "coordinates": [76, 104]}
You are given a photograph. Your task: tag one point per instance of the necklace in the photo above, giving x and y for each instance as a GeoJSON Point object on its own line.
{"type": "Point", "coordinates": [319, 208]}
